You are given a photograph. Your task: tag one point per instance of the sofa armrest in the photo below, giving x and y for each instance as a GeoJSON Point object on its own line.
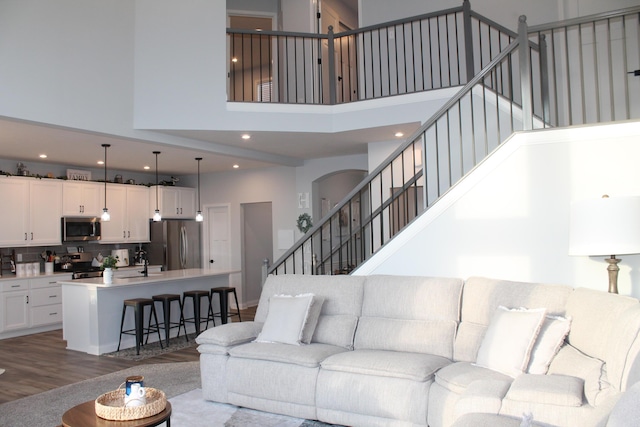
{"type": "Point", "coordinates": [230, 334]}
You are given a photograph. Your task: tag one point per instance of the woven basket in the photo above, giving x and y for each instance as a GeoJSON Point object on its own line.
{"type": "Point", "coordinates": [110, 406]}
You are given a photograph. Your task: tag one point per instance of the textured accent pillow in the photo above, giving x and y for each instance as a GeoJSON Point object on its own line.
{"type": "Point", "coordinates": [287, 318]}
{"type": "Point", "coordinates": [551, 337]}
{"type": "Point", "coordinates": [507, 344]}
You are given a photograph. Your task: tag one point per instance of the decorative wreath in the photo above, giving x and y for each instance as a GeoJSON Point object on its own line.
{"type": "Point", "coordinates": [304, 222]}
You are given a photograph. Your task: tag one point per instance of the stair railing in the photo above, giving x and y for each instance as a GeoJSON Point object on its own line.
{"type": "Point", "coordinates": [455, 140]}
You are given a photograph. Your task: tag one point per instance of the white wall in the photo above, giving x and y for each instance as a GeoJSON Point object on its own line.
{"type": "Point", "coordinates": [68, 62]}
{"type": "Point", "coordinates": [510, 219]}
{"type": "Point", "coordinates": [505, 13]}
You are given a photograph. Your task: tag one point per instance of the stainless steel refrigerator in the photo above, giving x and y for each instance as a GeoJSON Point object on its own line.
{"type": "Point", "coordinates": [175, 244]}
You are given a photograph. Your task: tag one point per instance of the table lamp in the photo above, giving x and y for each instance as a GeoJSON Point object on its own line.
{"type": "Point", "coordinates": [605, 226]}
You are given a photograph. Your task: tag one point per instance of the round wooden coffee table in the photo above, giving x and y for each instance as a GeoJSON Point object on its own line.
{"type": "Point", "coordinates": [84, 415]}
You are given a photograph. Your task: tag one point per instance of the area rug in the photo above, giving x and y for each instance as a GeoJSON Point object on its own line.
{"type": "Point", "coordinates": [46, 409]}
{"type": "Point", "coordinates": [153, 349]}
{"type": "Point", "coordinates": [191, 410]}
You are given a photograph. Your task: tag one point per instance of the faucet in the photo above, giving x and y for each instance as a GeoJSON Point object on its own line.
{"type": "Point", "coordinates": [145, 272]}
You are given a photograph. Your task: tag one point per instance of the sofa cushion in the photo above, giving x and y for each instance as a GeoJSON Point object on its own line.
{"type": "Point", "coordinates": [570, 361]}
{"type": "Point", "coordinates": [291, 319]}
{"type": "Point", "coordinates": [308, 356]}
{"type": "Point", "coordinates": [457, 376]}
{"type": "Point", "coordinates": [435, 337]}
{"type": "Point", "coordinates": [594, 316]}
{"type": "Point", "coordinates": [507, 344]}
{"type": "Point", "coordinates": [230, 334]}
{"type": "Point", "coordinates": [406, 313]}
{"type": "Point", "coordinates": [337, 329]}
{"type": "Point", "coordinates": [547, 389]}
{"type": "Point", "coordinates": [412, 366]}
{"type": "Point", "coordinates": [340, 309]}
{"type": "Point", "coordinates": [482, 296]}
{"type": "Point", "coordinates": [481, 396]}
{"type": "Point", "coordinates": [550, 339]}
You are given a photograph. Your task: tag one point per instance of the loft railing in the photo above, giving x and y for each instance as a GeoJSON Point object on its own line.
{"type": "Point", "coordinates": [431, 51]}
{"type": "Point", "coordinates": [517, 90]}
{"type": "Point", "coordinates": [592, 67]}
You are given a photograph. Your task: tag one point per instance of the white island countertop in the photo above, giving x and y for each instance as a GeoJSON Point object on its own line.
{"type": "Point", "coordinates": [156, 277]}
{"type": "Point", "coordinates": [93, 311]}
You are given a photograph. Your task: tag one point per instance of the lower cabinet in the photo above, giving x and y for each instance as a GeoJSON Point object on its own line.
{"type": "Point", "coordinates": [45, 299]}
{"type": "Point", "coordinates": [30, 303]}
{"type": "Point", "coordinates": [15, 308]}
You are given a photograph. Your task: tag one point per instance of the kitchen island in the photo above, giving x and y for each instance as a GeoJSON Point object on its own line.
{"type": "Point", "coordinates": [92, 311]}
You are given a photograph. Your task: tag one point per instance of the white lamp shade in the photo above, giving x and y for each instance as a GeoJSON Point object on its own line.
{"type": "Point", "coordinates": [605, 226]}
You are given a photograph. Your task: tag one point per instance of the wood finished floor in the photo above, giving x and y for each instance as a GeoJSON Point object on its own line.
{"type": "Point", "coordinates": [40, 362]}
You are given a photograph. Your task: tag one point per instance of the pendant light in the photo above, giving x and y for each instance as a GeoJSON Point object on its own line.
{"type": "Point", "coordinates": [105, 212]}
{"type": "Point", "coordinates": [199, 217]}
{"type": "Point", "coordinates": [156, 215]}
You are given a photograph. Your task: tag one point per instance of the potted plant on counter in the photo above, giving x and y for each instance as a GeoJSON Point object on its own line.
{"type": "Point", "coordinates": [109, 263]}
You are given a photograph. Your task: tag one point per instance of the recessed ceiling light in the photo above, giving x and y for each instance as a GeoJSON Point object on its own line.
{"type": "Point", "coordinates": [234, 59]}
{"type": "Point", "coordinates": [399, 134]}
{"type": "Point", "coordinates": [147, 168]}
{"type": "Point", "coordinates": [43, 156]}
{"type": "Point", "coordinates": [236, 166]}
{"type": "Point", "coordinates": [101, 162]}
{"type": "Point", "coordinates": [246, 136]}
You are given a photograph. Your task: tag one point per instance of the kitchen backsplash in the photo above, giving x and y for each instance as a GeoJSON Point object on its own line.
{"type": "Point", "coordinates": [34, 254]}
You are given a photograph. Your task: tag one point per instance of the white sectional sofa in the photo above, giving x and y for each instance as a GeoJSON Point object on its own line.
{"type": "Point", "coordinates": [417, 351]}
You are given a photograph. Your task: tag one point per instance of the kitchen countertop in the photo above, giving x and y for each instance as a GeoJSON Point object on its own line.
{"type": "Point", "coordinates": [12, 276]}
{"type": "Point", "coordinates": [164, 276]}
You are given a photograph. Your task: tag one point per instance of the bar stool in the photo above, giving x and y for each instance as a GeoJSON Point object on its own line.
{"type": "Point", "coordinates": [196, 297]}
{"type": "Point", "coordinates": [138, 305]}
{"type": "Point", "coordinates": [166, 300]}
{"type": "Point", "coordinates": [223, 294]}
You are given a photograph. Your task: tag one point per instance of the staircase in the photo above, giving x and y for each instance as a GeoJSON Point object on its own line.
{"type": "Point", "coordinates": [562, 74]}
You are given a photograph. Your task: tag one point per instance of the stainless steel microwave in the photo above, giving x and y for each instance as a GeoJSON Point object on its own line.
{"type": "Point", "coordinates": [76, 229]}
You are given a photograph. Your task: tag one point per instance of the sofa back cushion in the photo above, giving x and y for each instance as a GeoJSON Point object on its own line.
{"type": "Point", "coordinates": [481, 297]}
{"type": "Point", "coordinates": [606, 326]}
{"type": "Point", "coordinates": [340, 309]}
{"type": "Point", "coordinates": [414, 314]}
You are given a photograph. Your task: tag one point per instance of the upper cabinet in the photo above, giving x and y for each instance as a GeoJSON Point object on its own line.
{"type": "Point", "coordinates": [174, 202]}
{"type": "Point", "coordinates": [130, 213]}
{"type": "Point", "coordinates": [82, 199]}
{"type": "Point", "coordinates": [30, 210]}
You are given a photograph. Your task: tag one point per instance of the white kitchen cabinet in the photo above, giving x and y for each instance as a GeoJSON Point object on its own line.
{"type": "Point", "coordinates": [174, 202]}
{"type": "Point", "coordinates": [15, 307]}
{"type": "Point", "coordinates": [45, 301]}
{"type": "Point", "coordinates": [83, 199]}
{"type": "Point", "coordinates": [29, 305]}
{"type": "Point", "coordinates": [30, 210]}
{"type": "Point", "coordinates": [129, 209]}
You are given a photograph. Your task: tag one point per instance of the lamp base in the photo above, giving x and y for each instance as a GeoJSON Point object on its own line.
{"type": "Point", "coordinates": [613, 273]}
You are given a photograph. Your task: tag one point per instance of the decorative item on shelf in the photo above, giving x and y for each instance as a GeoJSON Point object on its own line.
{"type": "Point", "coordinates": [105, 212]}
{"type": "Point", "coordinates": [156, 215]}
{"type": "Point", "coordinates": [199, 217]}
{"type": "Point", "coordinates": [109, 263]}
{"type": "Point", "coordinates": [605, 227]}
{"type": "Point", "coordinates": [304, 222]}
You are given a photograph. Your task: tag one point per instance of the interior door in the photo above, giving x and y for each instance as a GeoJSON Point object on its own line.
{"type": "Point", "coordinates": [216, 235]}
{"type": "Point", "coordinates": [257, 245]}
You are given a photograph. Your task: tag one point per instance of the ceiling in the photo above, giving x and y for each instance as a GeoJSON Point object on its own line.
{"type": "Point", "coordinates": [220, 150]}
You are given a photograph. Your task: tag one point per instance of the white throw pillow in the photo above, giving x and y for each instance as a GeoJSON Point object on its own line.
{"type": "Point", "coordinates": [507, 344]}
{"type": "Point", "coordinates": [286, 319]}
{"type": "Point", "coordinates": [551, 337]}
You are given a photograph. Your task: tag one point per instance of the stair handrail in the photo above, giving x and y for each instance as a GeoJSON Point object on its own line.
{"type": "Point", "coordinates": [398, 152]}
